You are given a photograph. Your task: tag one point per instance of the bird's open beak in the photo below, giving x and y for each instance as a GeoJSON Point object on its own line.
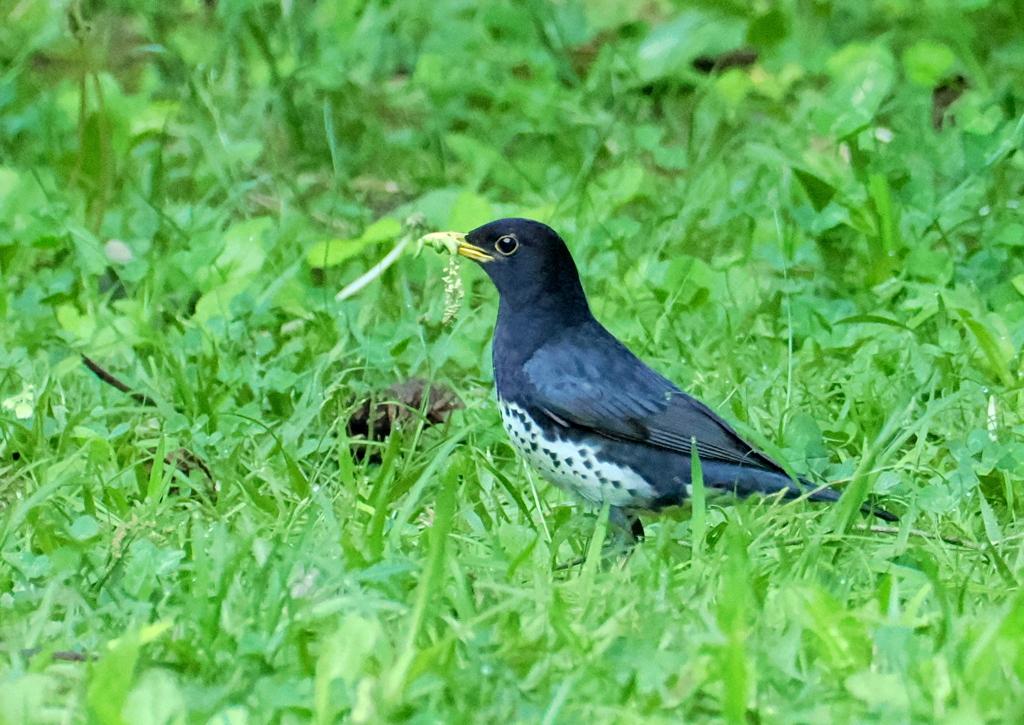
{"type": "Point", "coordinates": [455, 243]}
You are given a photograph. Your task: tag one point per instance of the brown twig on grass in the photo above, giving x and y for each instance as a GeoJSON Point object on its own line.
{"type": "Point", "coordinates": [954, 540]}
{"type": "Point", "coordinates": [114, 382]}
{"type": "Point", "coordinates": [182, 459]}
{"type": "Point", "coordinates": [61, 655]}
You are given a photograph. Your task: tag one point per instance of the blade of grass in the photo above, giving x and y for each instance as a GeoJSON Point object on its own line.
{"type": "Point", "coordinates": [412, 499]}
{"type": "Point", "coordinates": [594, 552]}
{"type": "Point", "coordinates": [698, 498]}
{"type": "Point", "coordinates": [430, 580]}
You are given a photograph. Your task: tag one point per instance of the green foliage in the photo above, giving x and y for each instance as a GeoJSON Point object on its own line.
{"type": "Point", "coordinates": [826, 243]}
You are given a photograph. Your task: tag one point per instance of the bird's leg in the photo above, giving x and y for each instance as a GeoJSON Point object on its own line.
{"type": "Point", "coordinates": [628, 526]}
{"type": "Point", "coordinates": [624, 522]}
{"type": "Point", "coordinates": [618, 518]}
{"type": "Point", "coordinates": [625, 533]}
{"type": "Point", "coordinates": [628, 532]}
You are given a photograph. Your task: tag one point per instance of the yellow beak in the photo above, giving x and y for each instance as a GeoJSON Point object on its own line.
{"type": "Point", "coordinates": [455, 243]}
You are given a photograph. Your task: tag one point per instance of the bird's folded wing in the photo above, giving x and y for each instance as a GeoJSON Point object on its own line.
{"type": "Point", "coordinates": [620, 397]}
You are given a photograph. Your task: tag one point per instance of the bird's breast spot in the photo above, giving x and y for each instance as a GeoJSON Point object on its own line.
{"type": "Point", "coordinates": [576, 468]}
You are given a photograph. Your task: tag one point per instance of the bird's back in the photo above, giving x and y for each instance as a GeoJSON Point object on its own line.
{"type": "Point", "coordinates": [591, 404]}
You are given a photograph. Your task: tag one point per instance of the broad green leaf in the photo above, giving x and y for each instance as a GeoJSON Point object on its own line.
{"type": "Point", "coordinates": [243, 252]}
{"type": "Point", "coordinates": [383, 230]}
{"type": "Point", "coordinates": [878, 689]}
{"type": "Point", "coordinates": [768, 29]}
{"type": "Point", "coordinates": [70, 319]}
{"type": "Point", "coordinates": [1010, 627]}
{"type": "Point", "coordinates": [544, 214]}
{"type": "Point", "coordinates": [977, 114]}
{"type": "Point", "coordinates": [621, 184]}
{"type": "Point", "coordinates": [156, 700]}
{"type": "Point", "coordinates": [436, 205]}
{"type": "Point", "coordinates": [470, 211]}
{"type": "Point", "coordinates": [1018, 283]}
{"type": "Point", "coordinates": [819, 191]}
{"type": "Point", "coordinates": [84, 527]}
{"type": "Point", "coordinates": [687, 279]}
{"type": "Point", "coordinates": [841, 639]}
{"type": "Point", "coordinates": [732, 87]}
{"type": "Point", "coordinates": [1012, 235]}
{"type": "Point", "coordinates": [23, 697]}
{"type": "Point", "coordinates": [23, 404]}
{"type": "Point", "coordinates": [479, 156]}
{"type": "Point", "coordinates": [343, 661]}
{"type": "Point", "coordinates": [926, 62]}
{"type": "Point", "coordinates": [862, 76]}
{"type": "Point", "coordinates": [217, 302]}
{"type": "Point", "coordinates": [9, 181]}
{"type": "Point", "coordinates": [670, 47]}
{"type": "Point", "coordinates": [335, 251]}
{"type": "Point", "coordinates": [112, 679]}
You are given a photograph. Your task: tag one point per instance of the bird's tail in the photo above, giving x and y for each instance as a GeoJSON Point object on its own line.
{"type": "Point", "coordinates": [830, 495]}
{"type": "Point", "coordinates": [745, 481]}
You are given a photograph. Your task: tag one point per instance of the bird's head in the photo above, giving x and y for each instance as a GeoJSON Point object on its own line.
{"type": "Point", "coordinates": [528, 263]}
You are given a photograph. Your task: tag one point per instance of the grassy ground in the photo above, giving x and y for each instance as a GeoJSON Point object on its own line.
{"type": "Point", "coordinates": [827, 245]}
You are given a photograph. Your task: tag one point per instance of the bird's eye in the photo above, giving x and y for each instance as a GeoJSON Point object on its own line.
{"type": "Point", "coordinates": [507, 244]}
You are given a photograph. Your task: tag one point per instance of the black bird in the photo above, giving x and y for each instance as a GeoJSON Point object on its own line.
{"type": "Point", "coordinates": [584, 410]}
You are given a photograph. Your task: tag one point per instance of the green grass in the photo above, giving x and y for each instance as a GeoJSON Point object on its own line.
{"type": "Point", "coordinates": [184, 187]}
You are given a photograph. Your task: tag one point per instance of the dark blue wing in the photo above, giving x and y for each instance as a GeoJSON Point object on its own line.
{"type": "Point", "coordinates": [595, 382]}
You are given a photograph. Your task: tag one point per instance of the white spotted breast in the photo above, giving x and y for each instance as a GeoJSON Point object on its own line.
{"type": "Point", "coordinates": [574, 467]}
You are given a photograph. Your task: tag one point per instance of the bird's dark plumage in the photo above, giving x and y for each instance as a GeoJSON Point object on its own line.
{"type": "Point", "coordinates": [582, 408]}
